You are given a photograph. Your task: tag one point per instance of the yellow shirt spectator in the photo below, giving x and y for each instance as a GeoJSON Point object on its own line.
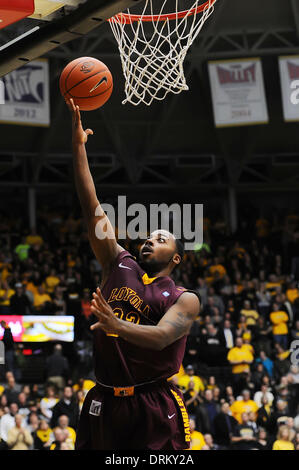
{"type": "Point", "coordinates": [34, 240]}
{"type": "Point", "coordinates": [292, 294]}
{"type": "Point", "coordinates": [40, 299]}
{"type": "Point", "coordinates": [197, 441]}
{"type": "Point", "coordinates": [283, 445]}
{"type": "Point", "coordinates": [279, 320]}
{"type": "Point", "coordinates": [183, 382]}
{"type": "Point", "coordinates": [50, 283]}
{"type": "Point", "coordinates": [87, 385]}
{"type": "Point", "coordinates": [242, 357]}
{"type": "Point", "coordinates": [251, 316]}
{"type": "Point", "coordinates": [217, 267]}
{"type": "Point", "coordinates": [6, 294]}
{"type": "Point", "coordinates": [71, 436]}
{"type": "Point", "coordinates": [243, 406]}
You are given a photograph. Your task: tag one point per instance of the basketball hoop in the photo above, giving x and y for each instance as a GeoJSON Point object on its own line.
{"type": "Point", "coordinates": [153, 47]}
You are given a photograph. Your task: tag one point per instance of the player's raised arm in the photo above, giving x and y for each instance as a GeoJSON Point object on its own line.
{"type": "Point", "coordinates": [175, 324]}
{"type": "Point", "coordinates": [100, 231]}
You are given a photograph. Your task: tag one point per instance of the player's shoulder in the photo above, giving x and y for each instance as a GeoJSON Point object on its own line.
{"type": "Point", "coordinates": [186, 293]}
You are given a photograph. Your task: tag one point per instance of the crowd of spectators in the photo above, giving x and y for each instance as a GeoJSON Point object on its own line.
{"type": "Point", "coordinates": [240, 376]}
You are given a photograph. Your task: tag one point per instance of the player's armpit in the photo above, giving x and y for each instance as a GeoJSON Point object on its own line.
{"type": "Point", "coordinates": [178, 320]}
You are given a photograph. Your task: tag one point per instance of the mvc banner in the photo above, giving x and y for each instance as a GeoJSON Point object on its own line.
{"type": "Point", "coordinates": [238, 92]}
{"type": "Point", "coordinates": [289, 79]}
{"type": "Point", "coordinates": [24, 95]}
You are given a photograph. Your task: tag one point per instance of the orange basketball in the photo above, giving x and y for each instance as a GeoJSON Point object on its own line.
{"type": "Point", "coordinates": [88, 81]}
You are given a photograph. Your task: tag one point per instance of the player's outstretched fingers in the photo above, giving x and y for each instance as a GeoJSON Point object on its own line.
{"type": "Point", "coordinates": [99, 293]}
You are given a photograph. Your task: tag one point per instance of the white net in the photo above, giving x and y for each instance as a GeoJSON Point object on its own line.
{"type": "Point", "coordinates": [153, 50]}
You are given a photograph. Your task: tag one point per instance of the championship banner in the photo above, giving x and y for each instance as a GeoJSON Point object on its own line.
{"type": "Point", "coordinates": [26, 95]}
{"type": "Point", "coordinates": [289, 75]}
{"type": "Point", "coordinates": [39, 328]}
{"type": "Point", "coordinates": [238, 92]}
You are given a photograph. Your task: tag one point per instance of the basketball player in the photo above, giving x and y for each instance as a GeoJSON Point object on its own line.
{"type": "Point", "coordinates": [140, 336]}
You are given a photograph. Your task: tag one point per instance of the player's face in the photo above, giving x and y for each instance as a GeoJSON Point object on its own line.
{"type": "Point", "coordinates": [157, 251]}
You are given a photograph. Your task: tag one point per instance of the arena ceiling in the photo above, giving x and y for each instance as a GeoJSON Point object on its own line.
{"type": "Point", "coordinates": [173, 145]}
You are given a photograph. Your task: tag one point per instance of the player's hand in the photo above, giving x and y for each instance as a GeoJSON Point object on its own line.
{"type": "Point", "coordinates": [107, 321]}
{"type": "Point", "coordinates": [79, 135]}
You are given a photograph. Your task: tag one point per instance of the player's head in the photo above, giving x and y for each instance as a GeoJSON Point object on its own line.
{"type": "Point", "coordinates": [159, 251]}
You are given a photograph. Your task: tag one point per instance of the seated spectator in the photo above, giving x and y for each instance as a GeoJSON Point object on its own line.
{"type": "Point", "coordinates": [59, 304]}
{"type": "Point", "coordinates": [243, 437]}
{"type": "Point", "coordinates": [42, 301]}
{"type": "Point", "coordinates": [295, 331]}
{"type": "Point", "coordinates": [262, 336]}
{"type": "Point", "coordinates": [84, 385]}
{"type": "Point", "coordinates": [63, 424]}
{"type": "Point", "coordinates": [48, 402]}
{"type": "Point", "coordinates": [43, 436]}
{"type": "Point", "coordinates": [264, 413]}
{"type": "Point", "coordinates": [278, 415]}
{"type": "Point", "coordinates": [212, 346]}
{"type": "Point", "coordinates": [197, 439]}
{"type": "Point", "coordinates": [57, 368]}
{"type": "Point", "coordinates": [32, 421]}
{"type": "Point", "coordinates": [59, 439]}
{"type": "Point", "coordinates": [263, 392]}
{"type": "Point", "coordinates": [262, 440]}
{"type": "Point", "coordinates": [292, 292]}
{"type": "Point", "coordinates": [7, 423]}
{"type": "Point", "coordinates": [283, 441]}
{"type": "Point", "coordinates": [18, 437]}
{"type": "Point", "coordinates": [23, 405]}
{"type": "Point", "coordinates": [240, 359]}
{"type": "Point", "coordinates": [51, 281]}
{"type": "Point", "coordinates": [279, 320]}
{"type": "Point", "coordinates": [229, 394]}
{"type": "Point", "coordinates": [267, 363]}
{"type": "Point", "coordinates": [229, 334]}
{"type": "Point", "coordinates": [250, 314]}
{"type": "Point", "coordinates": [22, 249]}
{"type": "Point", "coordinates": [263, 300]}
{"type": "Point", "coordinates": [184, 380]}
{"type": "Point", "coordinates": [12, 390]}
{"type": "Point", "coordinates": [209, 443]}
{"type": "Point", "coordinates": [247, 336]}
{"type": "Point", "coordinates": [19, 302]}
{"type": "Point", "coordinates": [246, 405]}
{"type": "Point", "coordinates": [5, 295]}
{"type": "Point", "coordinates": [66, 406]}
{"type": "Point", "coordinates": [257, 375]}
{"type": "Point", "coordinates": [224, 425]}
{"type": "Point", "coordinates": [192, 400]}
{"type": "Point", "coordinates": [282, 362]}
{"type": "Point", "coordinates": [207, 412]}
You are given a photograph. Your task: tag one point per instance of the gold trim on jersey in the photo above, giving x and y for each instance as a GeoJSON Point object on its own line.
{"type": "Point", "coordinates": [185, 416]}
{"type": "Point", "coordinates": [148, 280]}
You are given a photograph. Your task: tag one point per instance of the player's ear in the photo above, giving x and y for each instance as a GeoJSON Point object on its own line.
{"type": "Point", "coordinates": [176, 258]}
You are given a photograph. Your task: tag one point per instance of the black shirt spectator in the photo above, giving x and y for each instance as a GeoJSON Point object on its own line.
{"type": "Point", "coordinates": [19, 302]}
{"type": "Point", "coordinates": [224, 426]}
{"type": "Point", "coordinates": [66, 406]}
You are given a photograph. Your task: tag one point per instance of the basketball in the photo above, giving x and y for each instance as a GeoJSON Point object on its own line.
{"type": "Point", "coordinates": [88, 81]}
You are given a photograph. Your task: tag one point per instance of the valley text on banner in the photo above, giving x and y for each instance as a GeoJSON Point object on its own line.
{"type": "Point", "coordinates": [238, 92]}
{"type": "Point", "coordinates": [26, 93]}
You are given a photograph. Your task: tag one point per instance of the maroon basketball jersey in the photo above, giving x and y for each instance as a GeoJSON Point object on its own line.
{"type": "Point", "coordinates": [135, 297]}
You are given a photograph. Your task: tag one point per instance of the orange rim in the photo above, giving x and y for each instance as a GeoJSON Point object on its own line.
{"type": "Point", "coordinates": [127, 18]}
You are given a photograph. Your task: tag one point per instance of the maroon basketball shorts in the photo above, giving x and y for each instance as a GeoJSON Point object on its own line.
{"type": "Point", "coordinates": [149, 420]}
